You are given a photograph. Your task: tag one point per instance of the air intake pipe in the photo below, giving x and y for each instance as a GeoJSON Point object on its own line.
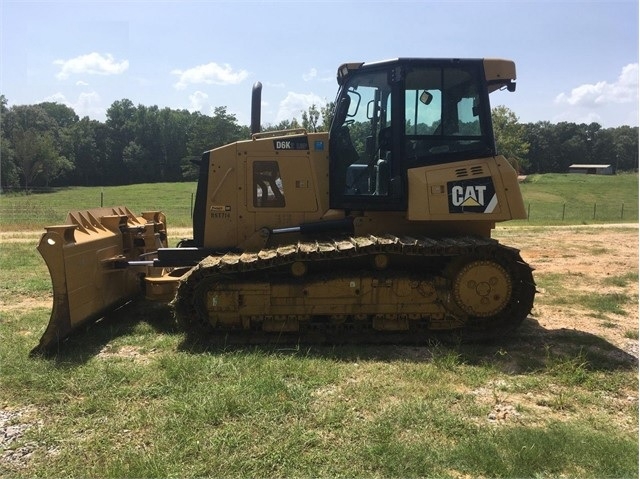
{"type": "Point", "coordinates": [256, 99]}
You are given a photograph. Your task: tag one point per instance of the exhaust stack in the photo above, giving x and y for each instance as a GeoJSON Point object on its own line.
{"type": "Point", "coordinates": [256, 98]}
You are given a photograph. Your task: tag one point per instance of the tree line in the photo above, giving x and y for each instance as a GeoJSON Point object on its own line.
{"type": "Point", "coordinates": [545, 147]}
{"type": "Point", "coordinates": [47, 144]}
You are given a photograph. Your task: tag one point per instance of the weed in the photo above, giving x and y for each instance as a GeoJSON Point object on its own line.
{"type": "Point", "coordinates": [605, 303]}
{"type": "Point", "coordinates": [570, 369]}
{"type": "Point", "coordinates": [622, 280]}
{"type": "Point", "coordinates": [608, 324]}
{"type": "Point", "coordinates": [445, 357]}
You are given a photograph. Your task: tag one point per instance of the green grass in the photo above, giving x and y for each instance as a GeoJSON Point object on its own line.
{"type": "Point", "coordinates": [605, 303]}
{"type": "Point", "coordinates": [322, 411]}
{"type": "Point", "coordinates": [622, 280]}
{"type": "Point", "coordinates": [40, 209]}
{"type": "Point", "coordinates": [22, 272]}
{"type": "Point", "coordinates": [577, 199]}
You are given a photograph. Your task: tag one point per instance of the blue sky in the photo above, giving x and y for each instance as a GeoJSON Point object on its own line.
{"type": "Point", "coordinates": [576, 60]}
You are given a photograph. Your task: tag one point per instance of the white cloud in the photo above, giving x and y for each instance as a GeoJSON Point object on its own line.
{"type": "Point", "coordinates": [211, 73]}
{"type": "Point", "coordinates": [313, 73]}
{"type": "Point", "coordinates": [87, 104]}
{"type": "Point", "coordinates": [57, 98]}
{"type": "Point", "coordinates": [198, 101]}
{"type": "Point", "coordinates": [295, 103]}
{"type": "Point", "coordinates": [623, 90]}
{"type": "Point", "coordinates": [92, 64]}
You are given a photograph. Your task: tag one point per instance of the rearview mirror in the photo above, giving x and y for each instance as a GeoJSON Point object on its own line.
{"type": "Point", "coordinates": [426, 97]}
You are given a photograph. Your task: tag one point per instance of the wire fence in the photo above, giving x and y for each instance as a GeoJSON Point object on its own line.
{"type": "Point", "coordinates": [34, 213]}
{"type": "Point", "coordinates": [572, 213]}
{"type": "Point", "coordinates": [37, 214]}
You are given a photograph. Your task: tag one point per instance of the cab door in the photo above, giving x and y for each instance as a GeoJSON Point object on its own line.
{"type": "Point", "coordinates": [364, 149]}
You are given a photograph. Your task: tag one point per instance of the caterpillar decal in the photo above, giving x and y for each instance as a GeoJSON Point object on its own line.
{"type": "Point", "coordinates": [477, 195]}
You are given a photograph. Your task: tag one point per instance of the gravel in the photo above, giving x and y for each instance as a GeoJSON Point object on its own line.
{"type": "Point", "coordinates": [14, 453]}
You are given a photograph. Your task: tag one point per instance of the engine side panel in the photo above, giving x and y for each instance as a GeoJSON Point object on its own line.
{"type": "Point", "coordinates": [476, 190]}
{"type": "Point", "coordinates": [273, 181]}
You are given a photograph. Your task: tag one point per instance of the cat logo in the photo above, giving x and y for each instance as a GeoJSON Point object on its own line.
{"type": "Point", "coordinates": [468, 196]}
{"type": "Point", "coordinates": [472, 196]}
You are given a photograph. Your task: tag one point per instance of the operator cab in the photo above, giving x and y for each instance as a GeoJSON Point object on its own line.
{"type": "Point", "coordinates": [399, 114]}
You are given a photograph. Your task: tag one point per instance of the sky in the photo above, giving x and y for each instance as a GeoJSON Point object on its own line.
{"type": "Point", "coordinates": [576, 61]}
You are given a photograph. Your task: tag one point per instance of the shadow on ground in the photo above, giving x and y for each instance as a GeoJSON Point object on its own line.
{"type": "Point", "coordinates": [527, 350]}
{"type": "Point", "coordinates": [89, 340]}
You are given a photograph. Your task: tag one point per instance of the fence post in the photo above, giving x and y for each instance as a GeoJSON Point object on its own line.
{"type": "Point", "coordinates": [622, 212]}
{"type": "Point", "coordinates": [594, 210]}
{"type": "Point", "coordinates": [528, 211]}
{"type": "Point", "coordinates": [564, 208]}
{"type": "Point", "coordinates": [101, 199]}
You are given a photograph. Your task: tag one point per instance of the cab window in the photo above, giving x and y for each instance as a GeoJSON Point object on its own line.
{"type": "Point", "coordinates": [442, 114]}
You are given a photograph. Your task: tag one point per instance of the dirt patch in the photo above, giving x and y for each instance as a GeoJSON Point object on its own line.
{"type": "Point", "coordinates": [588, 262]}
{"type": "Point", "coordinates": [26, 303]}
{"type": "Point", "coordinates": [127, 353]}
{"type": "Point", "coordinates": [20, 236]}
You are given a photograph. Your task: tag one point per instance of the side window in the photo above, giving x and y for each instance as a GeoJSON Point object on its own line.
{"type": "Point", "coordinates": [469, 123]}
{"type": "Point", "coordinates": [268, 191]}
{"type": "Point", "coordinates": [423, 111]}
{"type": "Point", "coordinates": [442, 113]}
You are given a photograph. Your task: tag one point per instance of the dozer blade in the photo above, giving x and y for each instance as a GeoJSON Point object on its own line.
{"type": "Point", "coordinates": [88, 263]}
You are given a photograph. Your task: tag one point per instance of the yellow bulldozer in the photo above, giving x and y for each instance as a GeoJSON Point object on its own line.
{"type": "Point", "coordinates": [378, 230]}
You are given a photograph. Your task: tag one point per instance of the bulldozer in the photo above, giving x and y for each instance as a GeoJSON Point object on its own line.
{"type": "Point", "coordinates": [377, 230]}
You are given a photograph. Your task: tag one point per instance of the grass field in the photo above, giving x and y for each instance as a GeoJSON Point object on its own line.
{"type": "Point", "coordinates": [132, 396]}
{"type": "Point", "coordinates": [580, 199]}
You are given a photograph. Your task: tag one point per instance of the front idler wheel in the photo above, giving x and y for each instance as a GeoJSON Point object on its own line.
{"type": "Point", "coordinates": [482, 288]}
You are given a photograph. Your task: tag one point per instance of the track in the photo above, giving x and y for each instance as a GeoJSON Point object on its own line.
{"type": "Point", "coordinates": [358, 289]}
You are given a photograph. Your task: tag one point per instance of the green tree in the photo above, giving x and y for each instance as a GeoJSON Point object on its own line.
{"type": "Point", "coordinates": [208, 132]}
{"type": "Point", "coordinates": [65, 118]}
{"type": "Point", "coordinates": [9, 175]}
{"type": "Point", "coordinates": [539, 136]}
{"type": "Point", "coordinates": [26, 154]}
{"type": "Point", "coordinates": [52, 163]}
{"type": "Point", "coordinates": [173, 132]}
{"type": "Point", "coordinates": [510, 137]}
{"type": "Point", "coordinates": [326, 113]}
{"type": "Point", "coordinates": [282, 125]}
{"type": "Point", "coordinates": [37, 147]}
{"type": "Point", "coordinates": [120, 124]}
{"type": "Point", "coordinates": [310, 119]}
{"type": "Point", "coordinates": [88, 155]}
{"type": "Point", "coordinates": [624, 154]}
{"type": "Point", "coordinates": [63, 115]}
